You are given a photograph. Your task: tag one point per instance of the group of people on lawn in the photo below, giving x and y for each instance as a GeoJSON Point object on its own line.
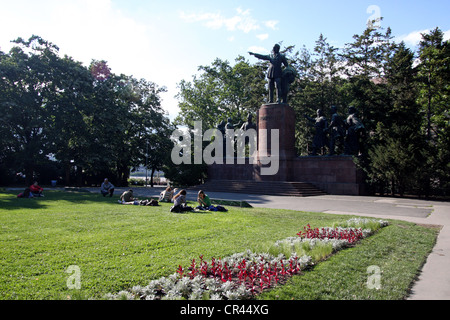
{"type": "Point", "coordinates": [179, 201]}
{"type": "Point", "coordinates": [168, 195]}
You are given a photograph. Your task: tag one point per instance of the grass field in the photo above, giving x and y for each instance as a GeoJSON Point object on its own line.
{"type": "Point", "coordinates": [117, 247]}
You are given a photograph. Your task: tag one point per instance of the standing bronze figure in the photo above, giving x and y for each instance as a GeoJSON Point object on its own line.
{"type": "Point", "coordinates": [320, 137]}
{"type": "Point", "coordinates": [355, 130]}
{"type": "Point", "coordinates": [337, 131]}
{"type": "Point", "coordinates": [275, 72]}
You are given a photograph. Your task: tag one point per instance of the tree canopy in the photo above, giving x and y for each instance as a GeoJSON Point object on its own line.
{"type": "Point", "coordinates": [81, 123]}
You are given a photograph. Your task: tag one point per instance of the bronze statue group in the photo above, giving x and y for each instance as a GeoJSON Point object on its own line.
{"type": "Point", "coordinates": [339, 133]}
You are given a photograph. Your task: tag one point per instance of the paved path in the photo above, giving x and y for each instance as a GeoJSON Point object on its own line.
{"type": "Point", "coordinates": [434, 280]}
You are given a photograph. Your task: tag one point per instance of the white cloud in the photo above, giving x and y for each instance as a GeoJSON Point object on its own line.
{"type": "Point", "coordinates": [86, 30]}
{"type": "Point", "coordinates": [413, 38]}
{"type": "Point", "coordinates": [447, 35]}
{"type": "Point", "coordinates": [263, 36]}
{"type": "Point", "coordinates": [260, 50]}
{"type": "Point", "coordinates": [242, 21]}
{"type": "Point", "coordinates": [196, 17]}
{"type": "Point", "coordinates": [82, 29]}
{"type": "Point", "coordinates": [271, 24]}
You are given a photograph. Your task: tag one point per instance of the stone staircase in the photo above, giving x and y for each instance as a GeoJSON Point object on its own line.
{"type": "Point", "coordinates": [275, 188]}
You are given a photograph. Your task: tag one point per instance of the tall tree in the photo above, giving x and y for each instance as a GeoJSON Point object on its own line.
{"type": "Point", "coordinates": [434, 98]}
{"type": "Point", "coordinates": [320, 90]}
{"type": "Point", "coordinates": [366, 61]}
{"type": "Point", "coordinates": [128, 111]}
{"type": "Point", "coordinates": [397, 156]}
{"type": "Point", "coordinates": [85, 118]}
{"type": "Point", "coordinates": [26, 76]}
{"type": "Point", "coordinates": [326, 69]}
{"type": "Point", "coordinates": [434, 64]}
{"type": "Point", "coordinates": [70, 107]}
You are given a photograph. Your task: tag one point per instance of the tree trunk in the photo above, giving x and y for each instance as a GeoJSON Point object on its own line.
{"type": "Point", "coordinates": [29, 175]}
{"type": "Point", "coordinates": [67, 167]}
{"type": "Point", "coordinates": [151, 177]}
{"type": "Point", "coordinates": [79, 182]}
{"type": "Point", "coordinates": [123, 174]}
{"type": "Point", "coordinates": [429, 109]}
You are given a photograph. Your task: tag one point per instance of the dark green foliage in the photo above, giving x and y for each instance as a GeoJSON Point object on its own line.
{"type": "Point", "coordinates": [185, 175]}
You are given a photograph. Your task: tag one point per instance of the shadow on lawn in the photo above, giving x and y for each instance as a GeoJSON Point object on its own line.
{"type": "Point", "coordinates": [10, 201]}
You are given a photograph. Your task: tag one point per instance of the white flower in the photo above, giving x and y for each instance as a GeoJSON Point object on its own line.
{"type": "Point", "coordinates": [227, 286]}
{"type": "Point", "coordinates": [231, 295]}
{"type": "Point", "coordinates": [196, 294]}
{"type": "Point", "coordinates": [124, 295]}
{"type": "Point", "coordinates": [172, 295]}
{"type": "Point", "coordinates": [215, 296]}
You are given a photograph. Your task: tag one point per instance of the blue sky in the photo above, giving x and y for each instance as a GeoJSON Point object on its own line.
{"type": "Point", "coordinates": [166, 41]}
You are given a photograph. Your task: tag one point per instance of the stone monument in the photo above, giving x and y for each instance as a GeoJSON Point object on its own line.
{"type": "Point", "coordinates": [275, 126]}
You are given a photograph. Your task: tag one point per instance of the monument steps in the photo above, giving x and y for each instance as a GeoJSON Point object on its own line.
{"type": "Point", "coordinates": [276, 188]}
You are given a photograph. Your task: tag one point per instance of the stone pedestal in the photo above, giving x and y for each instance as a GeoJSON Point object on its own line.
{"type": "Point", "coordinates": [333, 174]}
{"type": "Point", "coordinates": [281, 117]}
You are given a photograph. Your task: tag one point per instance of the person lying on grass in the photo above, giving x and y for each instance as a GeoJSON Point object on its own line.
{"type": "Point", "coordinates": [136, 202]}
{"type": "Point", "coordinates": [128, 198]}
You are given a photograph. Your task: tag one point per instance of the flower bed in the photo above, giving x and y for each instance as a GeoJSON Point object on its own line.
{"type": "Point", "coordinates": [244, 275]}
{"type": "Point", "coordinates": [350, 235]}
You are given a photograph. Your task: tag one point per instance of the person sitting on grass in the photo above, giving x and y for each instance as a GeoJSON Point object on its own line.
{"type": "Point", "coordinates": [25, 194]}
{"type": "Point", "coordinates": [175, 192]}
{"type": "Point", "coordinates": [127, 196]}
{"type": "Point", "coordinates": [203, 201]}
{"type": "Point", "coordinates": [107, 188]}
{"type": "Point", "coordinates": [179, 203]}
{"type": "Point", "coordinates": [36, 190]}
{"type": "Point", "coordinates": [166, 195]}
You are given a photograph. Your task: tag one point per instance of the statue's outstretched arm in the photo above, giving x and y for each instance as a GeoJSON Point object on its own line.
{"type": "Point", "coordinates": [260, 56]}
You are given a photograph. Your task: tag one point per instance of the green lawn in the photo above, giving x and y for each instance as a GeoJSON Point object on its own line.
{"type": "Point", "coordinates": [117, 247]}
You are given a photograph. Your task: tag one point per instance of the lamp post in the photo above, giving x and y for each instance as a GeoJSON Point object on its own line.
{"type": "Point", "coordinates": [146, 164]}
